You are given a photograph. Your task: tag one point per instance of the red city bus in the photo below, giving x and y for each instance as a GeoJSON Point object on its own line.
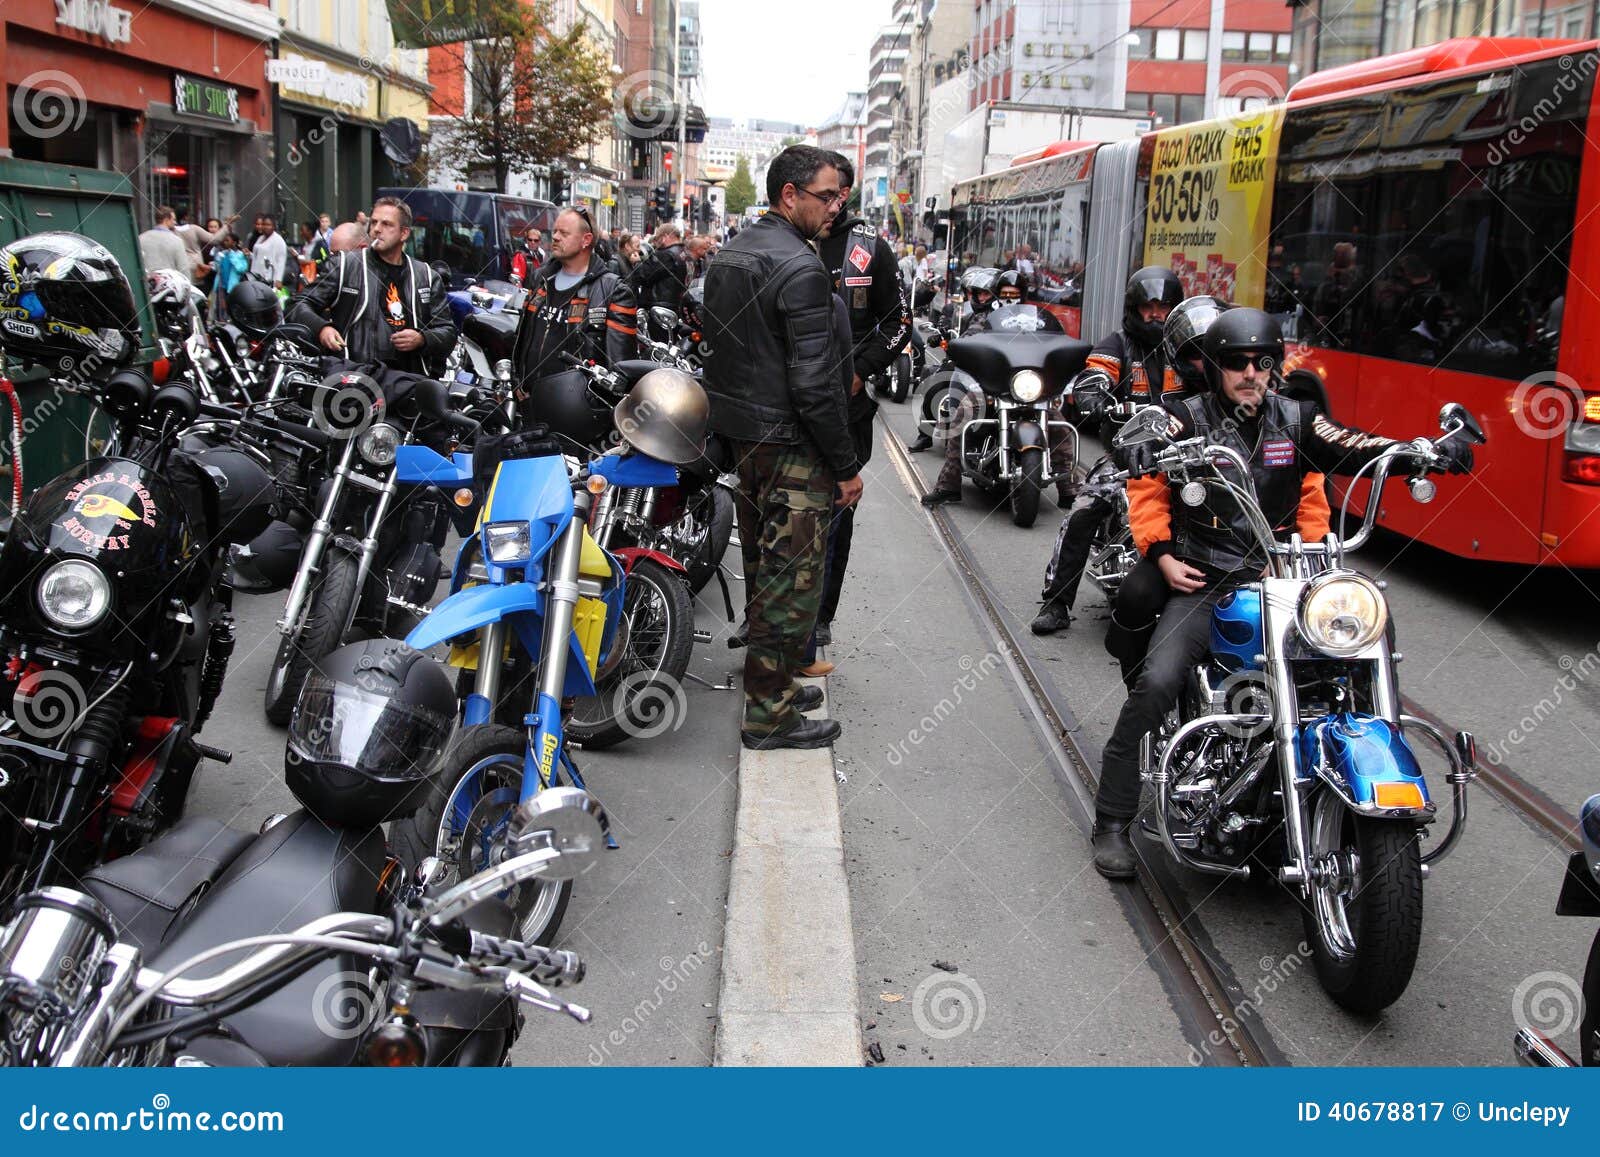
{"type": "Point", "coordinates": [1415, 221]}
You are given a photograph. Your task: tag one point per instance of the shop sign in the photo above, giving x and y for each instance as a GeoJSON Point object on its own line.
{"type": "Point", "coordinates": [587, 188]}
{"type": "Point", "coordinates": [296, 71]}
{"type": "Point", "coordinates": [96, 18]}
{"type": "Point", "coordinates": [425, 23]}
{"type": "Point", "coordinates": [314, 78]}
{"type": "Point", "coordinates": [204, 98]}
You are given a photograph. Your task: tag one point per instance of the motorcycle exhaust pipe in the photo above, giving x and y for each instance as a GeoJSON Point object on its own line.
{"type": "Point", "coordinates": [1537, 1051]}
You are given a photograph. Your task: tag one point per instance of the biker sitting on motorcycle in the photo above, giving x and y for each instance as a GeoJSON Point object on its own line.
{"type": "Point", "coordinates": [1183, 374]}
{"type": "Point", "coordinates": [1124, 364]}
{"type": "Point", "coordinates": [1207, 550]}
{"type": "Point", "coordinates": [978, 285]}
{"type": "Point", "coordinates": [1010, 289]}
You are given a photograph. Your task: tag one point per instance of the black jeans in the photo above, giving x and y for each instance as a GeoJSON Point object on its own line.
{"type": "Point", "coordinates": [1071, 554]}
{"type": "Point", "coordinates": [1140, 600]}
{"type": "Point", "coordinates": [1181, 639]}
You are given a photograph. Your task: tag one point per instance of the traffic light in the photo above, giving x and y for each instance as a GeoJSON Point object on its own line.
{"type": "Point", "coordinates": [663, 203]}
{"type": "Point", "coordinates": [558, 186]}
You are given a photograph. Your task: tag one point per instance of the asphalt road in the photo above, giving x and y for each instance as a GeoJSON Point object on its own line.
{"type": "Point", "coordinates": [1484, 647]}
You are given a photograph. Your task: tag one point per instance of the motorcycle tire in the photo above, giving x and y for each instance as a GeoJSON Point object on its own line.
{"type": "Point", "coordinates": [1382, 915]}
{"type": "Point", "coordinates": [900, 378]}
{"type": "Point", "coordinates": [702, 568]}
{"type": "Point", "coordinates": [495, 752]}
{"type": "Point", "coordinates": [1589, 1026]}
{"type": "Point", "coordinates": [643, 695]}
{"type": "Point", "coordinates": [1026, 490]}
{"type": "Point", "coordinates": [328, 608]}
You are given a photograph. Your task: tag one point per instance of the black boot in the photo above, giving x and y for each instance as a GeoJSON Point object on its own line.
{"type": "Point", "coordinates": [802, 733]}
{"type": "Point", "coordinates": [940, 496]}
{"type": "Point", "coordinates": [807, 698]}
{"type": "Point", "coordinates": [1052, 617]}
{"type": "Point", "coordinates": [922, 443]}
{"type": "Point", "coordinates": [740, 637]}
{"type": "Point", "coordinates": [1113, 850]}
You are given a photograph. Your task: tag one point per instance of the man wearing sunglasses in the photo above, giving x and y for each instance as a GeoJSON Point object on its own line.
{"type": "Point", "coordinates": [576, 305]}
{"type": "Point", "coordinates": [774, 378]}
{"type": "Point", "coordinates": [1208, 550]}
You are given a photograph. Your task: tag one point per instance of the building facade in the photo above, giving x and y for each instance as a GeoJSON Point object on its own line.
{"type": "Point", "coordinates": [1207, 57]}
{"type": "Point", "coordinates": [1327, 35]}
{"type": "Point", "coordinates": [886, 76]}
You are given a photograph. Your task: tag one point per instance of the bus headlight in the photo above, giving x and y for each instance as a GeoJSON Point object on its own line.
{"type": "Point", "coordinates": [1026, 386]}
{"type": "Point", "coordinates": [1342, 614]}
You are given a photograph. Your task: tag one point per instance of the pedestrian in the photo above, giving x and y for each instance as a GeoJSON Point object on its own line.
{"type": "Point", "coordinates": [697, 251]}
{"type": "Point", "coordinates": [377, 304]}
{"type": "Point", "coordinates": [161, 247]}
{"type": "Point", "coordinates": [195, 239]}
{"type": "Point", "coordinates": [907, 266]}
{"type": "Point", "coordinates": [664, 276]}
{"type": "Point", "coordinates": [269, 257]}
{"type": "Point", "coordinates": [626, 259]}
{"type": "Point", "coordinates": [231, 265]}
{"type": "Point", "coordinates": [537, 254]}
{"type": "Point", "coordinates": [773, 378]}
{"type": "Point", "coordinates": [347, 238]}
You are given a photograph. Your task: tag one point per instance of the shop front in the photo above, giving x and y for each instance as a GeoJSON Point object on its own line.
{"type": "Point", "coordinates": [173, 97]}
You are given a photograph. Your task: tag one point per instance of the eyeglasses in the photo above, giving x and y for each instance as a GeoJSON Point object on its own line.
{"type": "Point", "coordinates": [1238, 363]}
{"type": "Point", "coordinates": [833, 197]}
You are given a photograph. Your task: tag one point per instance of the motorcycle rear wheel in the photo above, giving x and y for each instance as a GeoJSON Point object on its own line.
{"type": "Point", "coordinates": [899, 378]}
{"type": "Point", "coordinates": [1026, 490]}
{"type": "Point", "coordinates": [321, 630]}
{"type": "Point", "coordinates": [1365, 932]}
{"type": "Point", "coordinates": [713, 508]}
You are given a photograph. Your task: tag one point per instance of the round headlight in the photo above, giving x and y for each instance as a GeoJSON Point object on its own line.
{"type": "Point", "coordinates": [378, 443]}
{"type": "Point", "coordinates": [1342, 614]}
{"type": "Point", "coordinates": [74, 595]}
{"type": "Point", "coordinates": [1026, 386]}
{"type": "Point", "coordinates": [243, 346]}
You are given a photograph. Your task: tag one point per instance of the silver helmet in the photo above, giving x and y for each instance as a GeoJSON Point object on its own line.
{"type": "Point", "coordinates": [665, 415]}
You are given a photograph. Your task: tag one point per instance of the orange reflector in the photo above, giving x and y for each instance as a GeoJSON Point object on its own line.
{"type": "Point", "coordinates": [463, 497]}
{"type": "Point", "coordinates": [1397, 795]}
{"type": "Point", "coordinates": [1591, 407]}
{"type": "Point", "coordinates": [1550, 540]}
{"type": "Point", "coordinates": [160, 371]}
{"type": "Point", "coordinates": [596, 484]}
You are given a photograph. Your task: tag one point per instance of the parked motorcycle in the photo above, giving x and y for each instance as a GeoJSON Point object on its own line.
{"type": "Point", "coordinates": [116, 630]}
{"type": "Point", "coordinates": [1019, 372]}
{"type": "Point", "coordinates": [903, 375]}
{"type": "Point", "coordinates": [303, 945]}
{"type": "Point", "coordinates": [1289, 746]}
{"type": "Point", "coordinates": [1580, 896]}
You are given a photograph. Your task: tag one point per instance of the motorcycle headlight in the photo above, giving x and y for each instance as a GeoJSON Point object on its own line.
{"type": "Point", "coordinates": [74, 595]}
{"type": "Point", "coordinates": [1026, 386]}
{"type": "Point", "coordinates": [1342, 614]}
{"type": "Point", "coordinates": [378, 443]}
{"type": "Point", "coordinates": [507, 543]}
{"type": "Point", "coordinates": [243, 346]}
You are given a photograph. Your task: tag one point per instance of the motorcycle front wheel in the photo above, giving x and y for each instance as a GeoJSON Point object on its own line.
{"type": "Point", "coordinates": [1025, 491]}
{"type": "Point", "coordinates": [463, 815]}
{"type": "Point", "coordinates": [319, 632]}
{"type": "Point", "coordinates": [643, 694]}
{"type": "Point", "coordinates": [899, 379]}
{"type": "Point", "coordinates": [1364, 924]}
{"type": "Point", "coordinates": [1589, 1027]}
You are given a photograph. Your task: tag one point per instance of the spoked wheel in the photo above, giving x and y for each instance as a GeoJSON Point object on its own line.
{"type": "Point", "coordinates": [1364, 917]}
{"type": "Point", "coordinates": [463, 821]}
{"type": "Point", "coordinates": [319, 632]}
{"type": "Point", "coordinates": [642, 695]}
{"type": "Point", "coordinates": [699, 538]}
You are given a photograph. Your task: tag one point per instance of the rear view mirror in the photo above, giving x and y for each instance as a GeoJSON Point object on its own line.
{"type": "Point", "coordinates": [663, 320]}
{"type": "Point", "coordinates": [566, 819]}
{"type": "Point", "coordinates": [1453, 417]}
{"type": "Point", "coordinates": [1148, 424]}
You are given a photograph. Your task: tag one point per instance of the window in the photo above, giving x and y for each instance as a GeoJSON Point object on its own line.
{"type": "Point", "coordinates": [1576, 26]}
{"type": "Point", "coordinates": [1191, 107]}
{"type": "Point", "coordinates": [380, 36]}
{"type": "Point", "coordinates": [349, 23]}
{"type": "Point", "coordinates": [1233, 47]}
{"type": "Point", "coordinates": [1140, 48]}
{"type": "Point", "coordinates": [1166, 107]}
{"type": "Point", "coordinates": [1137, 102]}
{"type": "Point", "coordinates": [1194, 44]}
{"type": "Point", "coordinates": [1284, 47]}
{"type": "Point", "coordinates": [1260, 47]}
{"type": "Point", "coordinates": [1167, 42]}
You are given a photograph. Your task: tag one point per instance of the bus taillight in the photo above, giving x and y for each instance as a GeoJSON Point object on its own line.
{"type": "Point", "coordinates": [1582, 462]}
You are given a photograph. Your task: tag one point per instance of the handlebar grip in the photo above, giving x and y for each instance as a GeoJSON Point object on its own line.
{"type": "Point", "coordinates": [555, 966]}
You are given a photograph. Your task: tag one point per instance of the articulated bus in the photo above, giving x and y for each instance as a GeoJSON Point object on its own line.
{"type": "Point", "coordinates": [1416, 222]}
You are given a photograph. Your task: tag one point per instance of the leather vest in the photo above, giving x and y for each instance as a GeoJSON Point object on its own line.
{"type": "Point", "coordinates": [849, 260]}
{"type": "Point", "coordinates": [1215, 534]}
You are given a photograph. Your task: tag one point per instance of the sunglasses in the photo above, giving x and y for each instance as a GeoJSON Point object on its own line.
{"type": "Point", "coordinates": [836, 197]}
{"type": "Point", "coordinates": [1238, 363]}
{"type": "Point", "coordinates": [583, 212]}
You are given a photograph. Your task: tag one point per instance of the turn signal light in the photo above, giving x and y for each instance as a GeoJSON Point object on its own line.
{"type": "Point", "coordinates": [1591, 407]}
{"type": "Point", "coordinates": [596, 484]}
{"type": "Point", "coordinates": [397, 1043]}
{"type": "Point", "coordinates": [160, 371]}
{"type": "Point", "coordinates": [1397, 795]}
{"type": "Point", "coordinates": [463, 497]}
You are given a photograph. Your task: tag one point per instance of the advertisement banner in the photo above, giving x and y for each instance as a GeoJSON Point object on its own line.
{"type": "Point", "coordinates": [1210, 205]}
{"type": "Point", "coordinates": [424, 23]}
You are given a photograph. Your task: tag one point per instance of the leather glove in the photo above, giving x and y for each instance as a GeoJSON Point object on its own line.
{"type": "Point", "coordinates": [1457, 455]}
{"type": "Point", "coordinates": [1138, 459]}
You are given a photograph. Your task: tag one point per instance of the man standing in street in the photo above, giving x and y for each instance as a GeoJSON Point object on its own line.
{"type": "Point", "coordinates": [377, 304]}
{"type": "Point", "coordinates": [160, 247]}
{"type": "Point", "coordinates": [269, 258]}
{"type": "Point", "coordinates": [575, 306]}
{"type": "Point", "coordinates": [664, 275]}
{"type": "Point", "coordinates": [867, 278]}
{"type": "Point", "coordinates": [347, 238]}
{"type": "Point", "coordinates": [537, 255]}
{"type": "Point", "coordinates": [775, 395]}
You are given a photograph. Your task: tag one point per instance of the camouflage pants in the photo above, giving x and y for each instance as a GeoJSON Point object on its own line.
{"type": "Point", "coordinates": [785, 503]}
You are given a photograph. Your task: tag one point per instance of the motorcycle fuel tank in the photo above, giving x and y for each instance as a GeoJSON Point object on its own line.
{"type": "Point", "coordinates": [1236, 638]}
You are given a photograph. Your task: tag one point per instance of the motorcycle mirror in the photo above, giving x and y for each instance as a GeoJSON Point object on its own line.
{"type": "Point", "coordinates": [664, 319]}
{"type": "Point", "coordinates": [1148, 424]}
{"type": "Point", "coordinates": [502, 370]}
{"type": "Point", "coordinates": [1454, 416]}
{"type": "Point", "coordinates": [471, 892]}
{"type": "Point", "coordinates": [567, 819]}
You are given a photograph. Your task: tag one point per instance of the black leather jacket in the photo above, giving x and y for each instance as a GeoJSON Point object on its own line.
{"type": "Point", "coordinates": [772, 372]}
{"type": "Point", "coordinates": [867, 278]}
{"type": "Point", "coordinates": [597, 323]}
{"type": "Point", "coordinates": [662, 277]}
{"type": "Point", "coordinates": [346, 296]}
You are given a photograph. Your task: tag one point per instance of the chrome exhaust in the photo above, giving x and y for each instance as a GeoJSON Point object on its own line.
{"type": "Point", "coordinates": [1537, 1051]}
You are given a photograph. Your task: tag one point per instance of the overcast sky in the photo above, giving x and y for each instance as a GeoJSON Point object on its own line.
{"type": "Point", "coordinates": [786, 63]}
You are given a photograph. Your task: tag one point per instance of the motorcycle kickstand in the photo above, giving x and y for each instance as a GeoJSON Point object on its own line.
{"type": "Point", "coordinates": [577, 782]}
{"type": "Point", "coordinates": [728, 686]}
{"type": "Point", "coordinates": [727, 596]}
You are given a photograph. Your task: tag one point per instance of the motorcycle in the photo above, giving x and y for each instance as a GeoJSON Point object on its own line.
{"type": "Point", "coordinates": [901, 379]}
{"type": "Point", "coordinates": [1580, 896]}
{"type": "Point", "coordinates": [117, 631]}
{"type": "Point", "coordinates": [533, 598]}
{"type": "Point", "coordinates": [1289, 747]}
{"type": "Point", "coordinates": [1019, 373]}
{"type": "Point", "coordinates": [182, 338]}
{"type": "Point", "coordinates": [298, 946]}
{"type": "Point", "coordinates": [383, 510]}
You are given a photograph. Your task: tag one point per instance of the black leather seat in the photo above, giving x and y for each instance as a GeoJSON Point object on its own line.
{"type": "Point", "coordinates": [147, 889]}
{"type": "Point", "coordinates": [635, 368]}
{"type": "Point", "coordinates": [314, 871]}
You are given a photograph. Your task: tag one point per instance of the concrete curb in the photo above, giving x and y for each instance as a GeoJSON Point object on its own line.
{"type": "Point", "coordinates": [789, 994]}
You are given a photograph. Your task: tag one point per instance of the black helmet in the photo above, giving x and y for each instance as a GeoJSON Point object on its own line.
{"type": "Point", "coordinates": [64, 300]}
{"type": "Point", "coordinates": [1184, 332]}
{"type": "Point", "coordinates": [1150, 284]}
{"type": "Point", "coordinates": [1242, 331]}
{"type": "Point", "coordinates": [1012, 277]}
{"type": "Point", "coordinates": [367, 731]}
{"type": "Point", "coordinates": [253, 306]}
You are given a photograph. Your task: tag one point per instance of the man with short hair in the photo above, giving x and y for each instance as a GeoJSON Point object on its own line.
{"type": "Point", "coordinates": [269, 257]}
{"type": "Point", "coordinates": [377, 304]}
{"type": "Point", "coordinates": [347, 237]}
{"type": "Point", "coordinates": [664, 275]}
{"type": "Point", "coordinates": [160, 246]}
{"type": "Point", "coordinates": [575, 305]}
{"type": "Point", "coordinates": [776, 395]}
{"type": "Point", "coordinates": [537, 254]}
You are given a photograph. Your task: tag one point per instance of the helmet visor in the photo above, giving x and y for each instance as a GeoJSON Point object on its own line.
{"type": "Point", "coordinates": [1148, 289]}
{"type": "Point", "coordinates": [342, 724]}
